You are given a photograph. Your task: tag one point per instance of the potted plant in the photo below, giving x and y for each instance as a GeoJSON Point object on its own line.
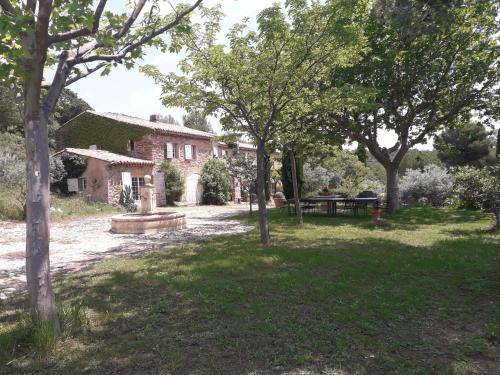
{"type": "Point", "coordinates": [279, 199]}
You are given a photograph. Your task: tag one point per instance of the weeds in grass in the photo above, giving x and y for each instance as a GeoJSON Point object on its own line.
{"type": "Point", "coordinates": [37, 336]}
{"type": "Point", "coordinates": [72, 318]}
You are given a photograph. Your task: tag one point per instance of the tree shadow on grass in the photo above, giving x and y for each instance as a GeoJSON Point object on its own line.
{"type": "Point", "coordinates": [232, 306]}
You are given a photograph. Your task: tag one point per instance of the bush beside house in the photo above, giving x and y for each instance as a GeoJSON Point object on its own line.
{"type": "Point", "coordinates": [174, 185]}
{"type": "Point", "coordinates": [216, 182]}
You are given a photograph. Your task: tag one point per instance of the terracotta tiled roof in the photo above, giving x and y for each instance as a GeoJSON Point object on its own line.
{"type": "Point", "coordinates": [107, 156]}
{"type": "Point", "coordinates": [247, 146]}
{"type": "Point", "coordinates": [161, 126]}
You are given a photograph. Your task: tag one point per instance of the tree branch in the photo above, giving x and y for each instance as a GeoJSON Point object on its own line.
{"type": "Point", "coordinates": [130, 21]}
{"type": "Point", "coordinates": [7, 7]}
{"type": "Point", "coordinates": [89, 71]}
{"type": "Point", "coordinates": [132, 46]}
{"type": "Point", "coordinates": [72, 34]}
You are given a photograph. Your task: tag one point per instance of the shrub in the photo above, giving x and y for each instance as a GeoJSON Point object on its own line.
{"type": "Point", "coordinates": [57, 170]}
{"type": "Point", "coordinates": [174, 186]}
{"type": "Point", "coordinates": [13, 183]}
{"type": "Point", "coordinates": [216, 182]}
{"type": "Point", "coordinates": [74, 166]}
{"type": "Point", "coordinates": [432, 183]}
{"type": "Point", "coordinates": [315, 178]}
{"type": "Point", "coordinates": [127, 199]}
{"type": "Point", "coordinates": [479, 189]}
{"type": "Point", "coordinates": [12, 144]}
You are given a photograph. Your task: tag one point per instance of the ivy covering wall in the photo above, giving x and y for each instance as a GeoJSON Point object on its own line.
{"type": "Point", "coordinates": [90, 129]}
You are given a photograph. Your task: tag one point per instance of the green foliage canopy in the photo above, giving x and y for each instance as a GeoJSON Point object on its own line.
{"type": "Point", "coordinates": [465, 144]}
{"type": "Point", "coordinates": [197, 120]}
{"type": "Point", "coordinates": [260, 75]}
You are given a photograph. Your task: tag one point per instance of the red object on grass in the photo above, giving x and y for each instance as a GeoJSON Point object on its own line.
{"type": "Point", "coordinates": [376, 213]}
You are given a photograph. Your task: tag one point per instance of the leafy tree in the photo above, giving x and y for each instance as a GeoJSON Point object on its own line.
{"type": "Point", "coordinates": [68, 106]}
{"type": "Point", "coordinates": [418, 159]}
{"type": "Point", "coordinates": [263, 80]}
{"type": "Point", "coordinates": [498, 145]}
{"type": "Point", "coordinates": [10, 118]}
{"type": "Point", "coordinates": [77, 40]}
{"type": "Point", "coordinates": [169, 119]}
{"type": "Point", "coordinates": [196, 120]}
{"type": "Point", "coordinates": [74, 166]}
{"type": "Point", "coordinates": [216, 182]}
{"type": "Point", "coordinates": [244, 168]}
{"type": "Point", "coordinates": [465, 144]}
{"type": "Point", "coordinates": [174, 185]}
{"type": "Point", "coordinates": [428, 63]}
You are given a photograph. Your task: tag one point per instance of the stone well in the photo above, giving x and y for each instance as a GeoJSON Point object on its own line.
{"type": "Point", "coordinates": [148, 220]}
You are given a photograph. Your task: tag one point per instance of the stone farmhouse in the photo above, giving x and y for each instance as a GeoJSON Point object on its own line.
{"type": "Point", "coordinates": [120, 150]}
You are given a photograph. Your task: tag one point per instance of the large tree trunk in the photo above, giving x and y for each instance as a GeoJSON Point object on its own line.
{"type": "Point", "coordinates": [296, 194]}
{"type": "Point", "coordinates": [392, 188]}
{"type": "Point", "coordinates": [261, 194]}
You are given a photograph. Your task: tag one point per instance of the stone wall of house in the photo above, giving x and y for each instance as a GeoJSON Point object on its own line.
{"type": "Point", "coordinates": [115, 185]}
{"type": "Point", "coordinates": [152, 147]}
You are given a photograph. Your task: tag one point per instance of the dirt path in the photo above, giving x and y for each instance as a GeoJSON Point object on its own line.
{"type": "Point", "coordinates": [76, 244]}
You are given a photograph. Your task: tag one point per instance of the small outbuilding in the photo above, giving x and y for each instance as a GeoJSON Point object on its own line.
{"type": "Point", "coordinates": [107, 174]}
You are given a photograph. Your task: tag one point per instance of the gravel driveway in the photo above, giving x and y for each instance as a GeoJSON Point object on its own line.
{"type": "Point", "coordinates": [78, 243]}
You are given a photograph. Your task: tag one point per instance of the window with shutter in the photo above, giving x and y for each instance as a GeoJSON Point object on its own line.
{"type": "Point", "coordinates": [169, 150]}
{"type": "Point", "coordinates": [188, 152]}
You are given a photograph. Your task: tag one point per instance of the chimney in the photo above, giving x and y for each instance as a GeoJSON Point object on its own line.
{"type": "Point", "coordinates": [154, 118]}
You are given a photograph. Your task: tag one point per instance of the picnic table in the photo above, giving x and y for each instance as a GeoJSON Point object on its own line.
{"type": "Point", "coordinates": [333, 203]}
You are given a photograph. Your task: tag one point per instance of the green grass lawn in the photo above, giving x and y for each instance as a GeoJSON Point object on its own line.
{"type": "Point", "coordinates": [334, 297]}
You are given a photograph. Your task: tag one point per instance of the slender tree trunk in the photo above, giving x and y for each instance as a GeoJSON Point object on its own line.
{"type": "Point", "coordinates": [261, 194]}
{"type": "Point", "coordinates": [250, 200]}
{"type": "Point", "coordinates": [392, 188]}
{"type": "Point", "coordinates": [37, 223]}
{"type": "Point", "coordinates": [497, 217]}
{"type": "Point", "coordinates": [35, 119]}
{"type": "Point", "coordinates": [296, 194]}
